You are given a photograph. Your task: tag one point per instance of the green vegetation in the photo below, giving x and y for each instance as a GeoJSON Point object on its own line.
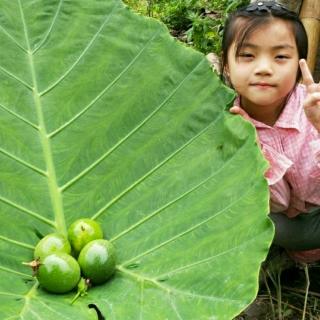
{"type": "Point", "coordinates": [198, 23]}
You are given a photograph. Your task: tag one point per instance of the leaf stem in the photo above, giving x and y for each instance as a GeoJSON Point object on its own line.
{"type": "Point", "coordinates": [54, 190]}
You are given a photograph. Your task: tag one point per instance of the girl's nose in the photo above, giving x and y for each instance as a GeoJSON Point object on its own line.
{"type": "Point", "coordinates": [263, 67]}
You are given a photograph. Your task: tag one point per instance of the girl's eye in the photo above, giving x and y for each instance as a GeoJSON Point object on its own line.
{"type": "Point", "coordinates": [245, 55]}
{"type": "Point", "coordinates": [282, 57]}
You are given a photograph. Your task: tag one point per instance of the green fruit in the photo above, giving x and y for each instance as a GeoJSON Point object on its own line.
{"type": "Point", "coordinates": [83, 231]}
{"type": "Point", "coordinates": [97, 261]}
{"type": "Point", "coordinates": [58, 273]}
{"type": "Point", "coordinates": [51, 243]}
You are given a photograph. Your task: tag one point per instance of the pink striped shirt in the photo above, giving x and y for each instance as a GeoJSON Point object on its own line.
{"type": "Point", "coordinates": [292, 148]}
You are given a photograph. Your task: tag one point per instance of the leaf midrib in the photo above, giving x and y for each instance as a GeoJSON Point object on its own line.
{"type": "Point", "coordinates": [55, 193]}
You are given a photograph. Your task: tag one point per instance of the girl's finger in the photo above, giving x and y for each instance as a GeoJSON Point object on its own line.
{"type": "Point", "coordinates": [312, 100]}
{"type": "Point", "coordinates": [239, 111]}
{"type": "Point", "coordinates": [315, 87]}
{"type": "Point", "coordinates": [306, 73]}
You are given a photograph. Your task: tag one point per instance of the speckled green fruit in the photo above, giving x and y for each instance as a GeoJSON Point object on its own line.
{"type": "Point", "coordinates": [58, 273]}
{"type": "Point", "coordinates": [83, 231]}
{"type": "Point", "coordinates": [51, 243]}
{"type": "Point", "coordinates": [97, 261]}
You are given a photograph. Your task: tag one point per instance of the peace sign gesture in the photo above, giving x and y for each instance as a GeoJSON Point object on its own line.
{"type": "Point", "coordinates": [312, 102]}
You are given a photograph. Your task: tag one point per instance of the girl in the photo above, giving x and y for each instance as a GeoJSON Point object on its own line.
{"type": "Point", "coordinates": [264, 47]}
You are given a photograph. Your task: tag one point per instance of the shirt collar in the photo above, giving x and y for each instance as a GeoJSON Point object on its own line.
{"type": "Point", "coordinates": [290, 115]}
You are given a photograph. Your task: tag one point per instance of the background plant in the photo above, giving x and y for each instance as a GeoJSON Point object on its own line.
{"type": "Point", "coordinates": [198, 23]}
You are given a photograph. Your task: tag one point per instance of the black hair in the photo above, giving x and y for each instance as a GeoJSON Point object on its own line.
{"type": "Point", "coordinates": [256, 15]}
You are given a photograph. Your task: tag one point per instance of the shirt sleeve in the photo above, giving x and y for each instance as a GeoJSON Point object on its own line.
{"type": "Point", "coordinates": [278, 164]}
{"type": "Point", "coordinates": [315, 148]}
{"type": "Point", "coordinates": [315, 154]}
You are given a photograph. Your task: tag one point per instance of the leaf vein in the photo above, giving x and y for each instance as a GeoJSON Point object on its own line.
{"type": "Point", "coordinates": [96, 215]}
{"type": "Point", "coordinates": [94, 100]}
{"type": "Point", "coordinates": [18, 273]}
{"type": "Point", "coordinates": [12, 38]}
{"type": "Point", "coordinates": [19, 117]}
{"type": "Point", "coordinates": [106, 154]}
{"type": "Point", "coordinates": [29, 212]}
{"type": "Point", "coordinates": [170, 289]}
{"type": "Point", "coordinates": [196, 226]}
{"type": "Point", "coordinates": [201, 296]}
{"type": "Point", "coordinates": [108, 17]}
{"type": "Point", "coordinates": [9, 294]}
{"type": "Point", "coordinates": [141, 300]}
{"type": "Point", "coordinates": [112, 314]}
{"type": "Point", "coordinates": [24, 163]}
{"type": "Point", "coordinates": [34, 313]}
{"type": "Point", "coordinates": [18, 243]}
{"type": "Point", "coordinates": [50, 28]}
{"type": "Point", "coordinates": [148, 217]}
{"type": "Point", "coordinates": [28, 296]}
{"type": "Point", "coordinates": [61, 316]}
{"type": "Point", "coordinates": [206, 260]}
{"type": "Point", "coordinates": [11, 75]}
{"type": "Point", "coordinates": [174, 306]}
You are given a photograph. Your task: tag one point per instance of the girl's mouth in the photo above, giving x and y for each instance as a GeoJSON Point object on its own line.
{"type": "Point", "coordinates": [263, 85]}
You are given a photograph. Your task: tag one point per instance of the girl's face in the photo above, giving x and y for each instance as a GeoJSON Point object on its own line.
{"type": "Point", "coordinates": [265, 71]}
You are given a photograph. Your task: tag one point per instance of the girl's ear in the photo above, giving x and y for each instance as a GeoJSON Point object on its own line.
{"type": "Point", "coordinates": [226, 75]}
{"type": "Point", "coordinates": [226, 70]}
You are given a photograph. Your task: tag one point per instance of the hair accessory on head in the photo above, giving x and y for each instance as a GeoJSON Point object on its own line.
{"type": "Point", "coordinates": [266, 6]}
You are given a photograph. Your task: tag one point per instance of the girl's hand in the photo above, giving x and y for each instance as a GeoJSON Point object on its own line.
{"type": "Point", "coordinates": [312, 102]}
{"type": "Point", "coordinates": [240, 112]}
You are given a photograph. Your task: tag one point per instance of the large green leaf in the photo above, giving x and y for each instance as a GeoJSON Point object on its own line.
{"type": "Point", "coordinates": [104, 115]}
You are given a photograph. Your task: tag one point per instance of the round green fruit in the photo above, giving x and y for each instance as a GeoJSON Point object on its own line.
{"type": "Point", "coordinates": [83, 231]}
{"type": "Point", "coordinates": [97, 261]}
{"type": "Point", "coordinates": [58, 273]}
{"type": "Point", "coordinates": [51, 243]}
